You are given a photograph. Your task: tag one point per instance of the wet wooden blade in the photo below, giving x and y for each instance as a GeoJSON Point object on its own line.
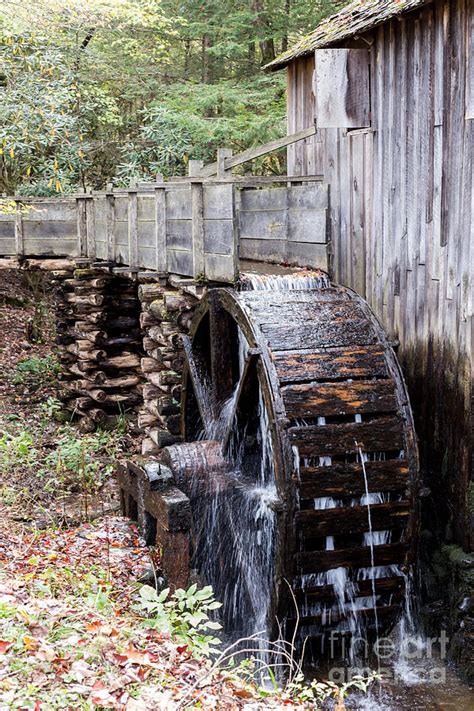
{"type": "Point", "coordinates": [379, 435]}
{"type": "Point", "coordinates": [335, 617]}
{"type": "Point", "coordinates": [317, 326]}
{"type": "Point", "coordinates": [341, 398]}
{"type": "Point", "coordinates": [359, 557]}
{"type": "Point", "coordinates": [352, 519]}
{"type": "Point", "coordinates": [335, 363]}
{"type": "Point", "coordinates": [325, 593]}
{"type": "Point", "coordinates": [340, 480]}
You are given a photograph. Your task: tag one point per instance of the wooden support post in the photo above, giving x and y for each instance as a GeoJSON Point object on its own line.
{"type": "Point", "coordinates": [81, 226]}
{"type": "Point", "coordinates": [90, 227]}
{"type": "Point", "coordinates": [222, 154]}
{"type": "Point", "coordinates": [110, 223]}
{"type": "Point", "coordinates": [197, 202]}
{"type": "Point", "coordinates": [133, 225]}
{"type": "Point", "coordinates": [160, 226]}
{"type": "Point", "coordinates": [19, 242]}
{"type": "Point", "coordinates": [195, 167]}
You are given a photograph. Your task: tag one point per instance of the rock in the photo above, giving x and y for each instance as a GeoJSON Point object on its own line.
{"type": "Point", "coordinates": [466, 605]}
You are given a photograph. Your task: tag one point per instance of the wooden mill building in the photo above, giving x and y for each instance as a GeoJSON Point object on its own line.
{"type": "Point", "coordinates": [396, 146]}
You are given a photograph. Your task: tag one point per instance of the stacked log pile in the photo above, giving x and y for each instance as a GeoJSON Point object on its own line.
{"type": "Point", "coordinates": [166, 314]}
{"type": "Point", "coordinates": [98, 327]}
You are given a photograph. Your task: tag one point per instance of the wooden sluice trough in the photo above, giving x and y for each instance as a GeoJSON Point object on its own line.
{"type": "Point", "coordinates": [293, 395]}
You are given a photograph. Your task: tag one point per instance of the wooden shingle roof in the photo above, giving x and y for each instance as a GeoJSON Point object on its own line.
{"type": "Point", "coordinates": [356, 18]}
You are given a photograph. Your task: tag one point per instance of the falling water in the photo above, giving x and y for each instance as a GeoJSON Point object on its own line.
{"type": "Point", "coordinates": [303, 280]}
{"type": "Point", "coordinates": [236, 519]}
{"type": "Point", "coordinates": [367, 501]}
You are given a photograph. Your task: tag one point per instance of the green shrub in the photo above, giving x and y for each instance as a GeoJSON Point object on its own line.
{"type": "Point", "coordinates": [184, 615]}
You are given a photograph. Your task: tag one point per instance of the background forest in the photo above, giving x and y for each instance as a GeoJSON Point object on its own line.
{"type": "Point", "coordinates": [98, 91]}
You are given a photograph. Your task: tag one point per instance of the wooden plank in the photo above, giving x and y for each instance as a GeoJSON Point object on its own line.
{"type": "Point", "coordinates": [315, 196]}
{"type": "Point", "coordinates": [290, 337]}
{"type": "Point", "coordinates": [335, 363]}
{"type": "Point", "coordinates": [342, 88]}
{"type": "Point", "coordinates": [470, 64]}
{"type": "Point", "coordinates": [19, 243]}
{"type": "Point", "coordinates": [364, 588]}
{"type": "Point", "coordinates": [307, 225]}
{"type": "Point", "coordinates": [264, 199]}
{"type": "Point", "coordinates": [368, 614]}
{"type": "Point", "coordinates": [340, 398]}
{"type": "Point", "coordinates": [179, 261]}
{"type": "Point", "coordinates": [263, 250]}
{"type": "Point", "coordinates": [218, 203]}
{"type": "Point", "coordinates": [179, 234]}
{"type": "Point", "coordinates": [222, 155]}
{"type": "Point", "coordinates": [387, 554]}
{"type": "Point", "coordinates": [331, 324]}
{"type": "Point", "coordinates": [81, 226]}
{"type": "Point", "coordinates": [341, 480]}
{"type": "Point", "coordinates": [357, 219]}
{"type": "Point", "coordinates": [221, 268]}
{"type": "Point", "coordinates": [197, 202]}
{"type": "Point", "coordinates": [383, 434]}
{"type": "Point", "coordinates": [90, 229]}
{"type": "Point", "coordinates": [178, 203]}
{"type": "Point", "coordinates": [110, 226]}
{"type": "Point", "coordinates": [133, 228]}
{"type": "Point", "coordinates": [219, 237]}
{"type": "Point", "coordinates": [258, 151]}
{"type": "Point", "coordinates": [160, 229]}
{"type": "Point", "coordinates": [263, 224]}
{"type": "Point", "coordinates": [352, 519]}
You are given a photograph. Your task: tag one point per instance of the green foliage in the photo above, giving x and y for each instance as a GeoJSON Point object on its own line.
{"type": "Point", "coordinates": [189, 121]}
{"type": "Point", "coordinates": [75, 461]}
{"type": "Point", "coordinates": [184, 615]}
{"type": "Point", "coordinates": [51, 408]}
{"type": "Point", "coordinates": [36, 372]}
{"type": "Point", "coordinates": [319, 692]}
{"type": "Point", "coordinates": [17, 450]}
{"type": "Point", "coordinates": [100, 91]}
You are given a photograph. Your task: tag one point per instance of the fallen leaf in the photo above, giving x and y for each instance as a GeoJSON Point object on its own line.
{"type": "Point", "coordinates": [30, 643]}
{"type": "Point", "coordinates": [5, 646]}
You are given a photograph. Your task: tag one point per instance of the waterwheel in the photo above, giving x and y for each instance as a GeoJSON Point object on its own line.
{"type": "Point", "coordinates": [299, 459]}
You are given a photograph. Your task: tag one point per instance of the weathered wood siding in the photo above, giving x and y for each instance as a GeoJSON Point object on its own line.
{"type": "Point", "coordinates": [402, 222]}
{"type": "Point", "coordinates": [284, 224]}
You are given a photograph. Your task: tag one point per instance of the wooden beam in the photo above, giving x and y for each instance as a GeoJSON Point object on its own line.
{"type": "Point", "coordinates": [258, 151]}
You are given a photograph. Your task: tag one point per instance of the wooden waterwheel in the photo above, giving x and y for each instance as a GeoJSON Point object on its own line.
{"type": "Point", "coordinates": [285, 393]}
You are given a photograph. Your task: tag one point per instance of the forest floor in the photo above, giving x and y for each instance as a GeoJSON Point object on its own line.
{"type": "Point", "coordinates": [73, 632]}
